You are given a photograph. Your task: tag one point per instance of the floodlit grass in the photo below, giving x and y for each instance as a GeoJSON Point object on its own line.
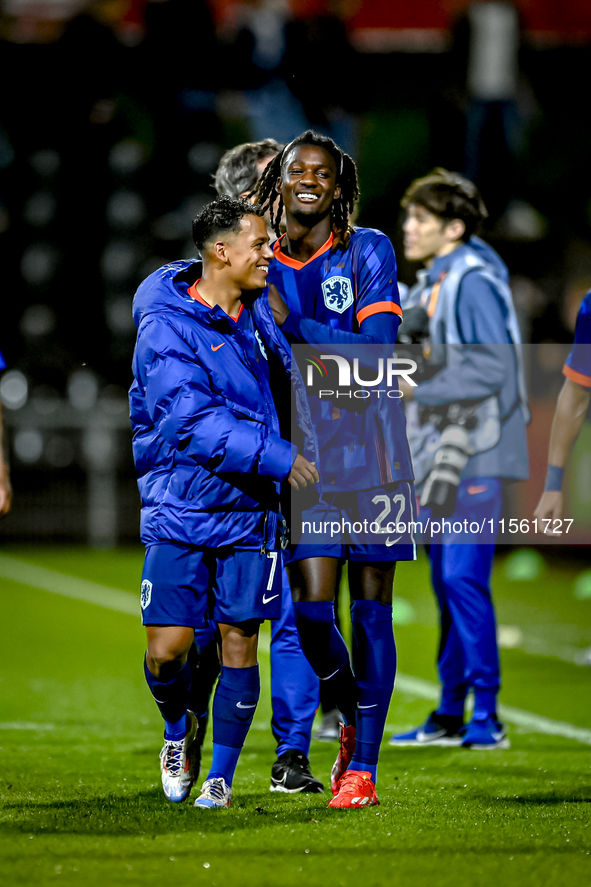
{"type": "Point", "coordinates": [80, 801]}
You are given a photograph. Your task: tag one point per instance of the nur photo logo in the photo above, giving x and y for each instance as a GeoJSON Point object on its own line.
{"type": "Point", "coordinates": [386, 372]}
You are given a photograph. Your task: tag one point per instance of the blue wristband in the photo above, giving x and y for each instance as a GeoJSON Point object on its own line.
{"type": "Point", "coordinates": [554, 478]}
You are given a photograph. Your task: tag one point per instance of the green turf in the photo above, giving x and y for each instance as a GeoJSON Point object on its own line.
{"type": "Point", "coordinates": [79, 740]}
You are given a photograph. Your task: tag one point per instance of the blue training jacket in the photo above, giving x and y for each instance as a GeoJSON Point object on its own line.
{"type": "Point", "coordinates": [206, 441]}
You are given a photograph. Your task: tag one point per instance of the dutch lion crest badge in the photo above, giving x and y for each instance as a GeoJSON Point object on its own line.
{"type": "Point", "coordinates": [338, 294]}
{"type": "Point", "coordinates": [146, 593]}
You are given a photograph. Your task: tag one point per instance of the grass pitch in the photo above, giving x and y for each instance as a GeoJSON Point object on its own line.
{"type": "Point", "coordinates": [80, 801]}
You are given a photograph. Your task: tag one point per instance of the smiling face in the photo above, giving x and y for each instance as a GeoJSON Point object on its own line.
{"type": "Point", "coordinates": [308, 183]}
{"type": "Point", "coordinates": [248, 253]}
{"type": "Point", "coordinates": [427, 236]}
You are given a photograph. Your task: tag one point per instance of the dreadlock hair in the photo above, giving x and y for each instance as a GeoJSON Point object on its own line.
{"type": "Point", "coordinates": [268, 197]}
{"type": "Point", "coordinates": [448, 195]}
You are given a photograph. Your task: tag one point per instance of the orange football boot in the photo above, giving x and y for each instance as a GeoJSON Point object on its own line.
{"type": "Point", "coordinates": [344, 757]}
{"type": "Point", "coordinates": [356, 789]}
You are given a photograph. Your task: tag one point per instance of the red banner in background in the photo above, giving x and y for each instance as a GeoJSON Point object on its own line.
{"type": "Point", "coordinates": [565, 17]}
{"type": "Point", "coordinates": [545, 21]}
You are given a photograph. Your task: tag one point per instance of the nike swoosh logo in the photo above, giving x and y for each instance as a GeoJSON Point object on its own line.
{"type": "Point", "coordinates": [429, 737]}
{"type": "Point", "coordinates": [242, 705]}
{"type": "Point", "coordinates": [267, 600]}
{"type": "Point", "coordinates": [329, 676]}
{"type": "Point", "coordinates": [474, 490]}
{"type": "Point", "coordinates": [390, 542]}
{"type": "Point", "coordinates": [367, 706]}
{"type": "Point", "coordinates": [217, 347]}
{"type": "Point", "coordinates": [281, 781]}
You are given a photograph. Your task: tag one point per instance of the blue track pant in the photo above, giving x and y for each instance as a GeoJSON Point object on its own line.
{"type": "Point", "coordinates": [468, 653]}
{"type": "Point", "coordinates": [295, 689]}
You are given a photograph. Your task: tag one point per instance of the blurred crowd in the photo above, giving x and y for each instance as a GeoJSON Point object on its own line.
{"type": "Point", "coordinates": [114, 114]}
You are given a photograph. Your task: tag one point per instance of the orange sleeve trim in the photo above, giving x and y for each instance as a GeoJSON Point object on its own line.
{"type": "Point", "coordinates": [293, 263]}
{"type": "Point", "coordinates": [379, 308]}
{"type": "Point", "coordinates": [579, 378]}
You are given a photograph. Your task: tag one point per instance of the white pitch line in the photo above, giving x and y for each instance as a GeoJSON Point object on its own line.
{"type": "Point", "coordinates": [122, 601]}
{"type": "Point", "coordinates": [69, 586]}
{"type": "Point", "coordinates": [25, 725]}
{"type": "Point", "coordinates": [526, 719]}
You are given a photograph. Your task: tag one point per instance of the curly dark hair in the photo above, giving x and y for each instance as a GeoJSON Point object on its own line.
{"type": "Point", "coordinates": [269, 198]}
{"type": "Point", "coordinates": [448, 195]}
{"type": "Point", "coordinates": [221, 216]}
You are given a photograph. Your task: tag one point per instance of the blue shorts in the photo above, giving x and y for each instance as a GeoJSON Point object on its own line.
{"type": "Point", "coordinates": [370, 525]}
{"type": "Point", "coordinates": [183, 585]}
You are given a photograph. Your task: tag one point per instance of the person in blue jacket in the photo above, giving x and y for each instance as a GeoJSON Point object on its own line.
{"type": "Point", "coordinates": [210, 459]}
{"type": "Point", "coordinates": [334, 286]}
{"type": "Point", "coordinates": [474, 343]}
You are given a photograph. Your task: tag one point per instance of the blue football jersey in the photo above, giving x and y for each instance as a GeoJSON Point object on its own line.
{"type": "Point", "coordinates": [2, 362]}
{"type": "Point", "coordinates": [578, 362]}
{"type": "Point", "coordinates": [340, 289]}
{"type": "Point", "coordinates": [359, 449]}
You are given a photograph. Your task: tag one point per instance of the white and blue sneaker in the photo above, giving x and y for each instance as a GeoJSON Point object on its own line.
{"type": "Point", "coordinates": [179, 762]}
{"type": "Point", "coordinates": [215, 793]}
{"type": "Point", "coordinates": [484, 734]}
{"type": "Point", "coordinates": [441, 730]}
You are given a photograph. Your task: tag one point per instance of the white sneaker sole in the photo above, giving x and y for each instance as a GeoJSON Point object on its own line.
{"type": "Point", "coordinates": [211, 806]}
{"type": "Point", "coordinates": [504, 743]}
{"type": "Point", "coordinates": [287, 791]}
{"type": "Point", "coordinates": [295, 791]}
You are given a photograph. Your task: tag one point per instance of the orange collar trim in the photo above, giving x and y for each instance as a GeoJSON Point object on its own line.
{"type": "Point", "coordinates": [198, 298]}
{"type": "Point", "coordinates": [293, 263]}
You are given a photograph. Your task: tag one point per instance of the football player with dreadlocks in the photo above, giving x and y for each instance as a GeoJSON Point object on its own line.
{"type": "Point", "coordinates": [338, 288]}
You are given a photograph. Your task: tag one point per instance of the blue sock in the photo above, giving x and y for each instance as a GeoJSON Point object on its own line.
{"type": "Point", "coordinates": [485, 704]}
{"type": "Point", "coordinates": [327, 653]}
{"type": "Point", "coordinates": [234, 705]}
{"type": "Point", "coordinates": [171, 699]}
{"type": "Point", "coordinates": [374, 659]}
